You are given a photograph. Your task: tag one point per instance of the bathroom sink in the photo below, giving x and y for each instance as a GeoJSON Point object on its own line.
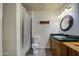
{"type": "Point", "coordinates": [60, 36]}
{"type": "Point", "coordinates": [65, 37]}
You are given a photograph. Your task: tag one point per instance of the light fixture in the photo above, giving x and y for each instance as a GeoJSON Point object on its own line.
{"type": "Point", "coordinates": [59, 16]}
{"type": "Point", "coordinates": [66, 10]}
{"type": "Point", "coordinates": [63, 11]}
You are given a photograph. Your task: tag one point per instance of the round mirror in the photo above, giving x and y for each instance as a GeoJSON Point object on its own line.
{"type": "Point", "coordinates": [66, 23]}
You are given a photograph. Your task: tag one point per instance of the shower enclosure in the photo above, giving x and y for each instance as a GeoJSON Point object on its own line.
{"type": "Point", "coordinates": [25, 31]}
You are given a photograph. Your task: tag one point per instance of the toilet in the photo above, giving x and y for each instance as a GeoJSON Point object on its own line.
{"type": "Point", "coordinates": [35, 45]}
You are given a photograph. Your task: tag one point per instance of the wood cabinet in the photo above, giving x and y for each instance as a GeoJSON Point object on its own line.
{"type": "Point", "coordinates": [60, 49]}
{"type": "Point", "coordinates": [63, 50]}
{"type": "Point", "coordinates": [73, 52]}
{"type": "Point", "coordinates": [55, 47]}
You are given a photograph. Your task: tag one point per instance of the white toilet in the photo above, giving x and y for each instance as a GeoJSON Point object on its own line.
{"type": "Point", "coordinates": [35, 45]}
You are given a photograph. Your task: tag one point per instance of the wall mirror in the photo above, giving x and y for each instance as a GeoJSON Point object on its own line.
{"type": "Point", "coordinates": [66, 23]}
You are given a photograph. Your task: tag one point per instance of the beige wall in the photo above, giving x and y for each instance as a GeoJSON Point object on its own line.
{"type": "Point", "coordinates": [13, 14]}
{"type": "Point", "coordinates": [9, 29]}
{"type": "Point", "coordinates": [1, 29]}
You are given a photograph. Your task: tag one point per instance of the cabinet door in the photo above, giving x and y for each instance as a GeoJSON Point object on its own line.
{"type": "Point", "coordinates": [57, 48]}
{"type": "Point", "coordinates": [52, 46]}
{"type": "Point", "coordinates": [73, 52]}
{"type": "Point", "coordinates": [63, 50]}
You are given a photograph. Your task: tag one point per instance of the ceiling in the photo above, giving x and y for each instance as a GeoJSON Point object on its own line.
{"type": "Point", "coordinates": [44, 6]}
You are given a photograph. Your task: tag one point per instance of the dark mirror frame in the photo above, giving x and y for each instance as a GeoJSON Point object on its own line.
{"type": "Point", "coordinates": [70, 23]}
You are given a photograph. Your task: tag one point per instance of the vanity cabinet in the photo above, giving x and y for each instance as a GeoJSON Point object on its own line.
{"type": "Point", "coordinates": [63, 50]}
{"type": "Point", "coordinates": [57, 48]}
{"type": "Point", "coordinates": [60, 49]}
{"type": "Point", "coordinates": [73, 52]}
{"type": "Point", "coordinates": [54, 47]}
